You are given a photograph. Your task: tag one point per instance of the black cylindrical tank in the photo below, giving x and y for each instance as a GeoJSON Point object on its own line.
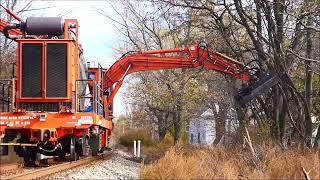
{"type": "Point", "coordinates": [44, 26]}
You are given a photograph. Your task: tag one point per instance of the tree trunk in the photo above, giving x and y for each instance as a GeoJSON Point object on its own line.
{"type": "Point", "coordinates": [282, 119]}
{"type": "Point", "coordinates": [277, 106]}
{"type": "Point", "coordinates": [242, 123]}
{"type": "Point", "coordinates": [317, 139]}
{"type": "Point", "coordinates": [220, 127]}
{"type": "Point", "coordinates": [176, 127]}
{"type": "Point", "coordinates": [161, 132]}
{"type": "Point", "coordinates": [308, 85]}
{"type": "Point", "coordinates": [177, 121]}
{"type": "Point", "coordinates": [162, 121]}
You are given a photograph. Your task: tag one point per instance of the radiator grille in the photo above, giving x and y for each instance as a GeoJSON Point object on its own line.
{"type": "Point", "coordinates": [52, 107]}
{"type": "Point", "coordinates": [31, 70]}
{"type": "Point", "coordinates": [56, 70]}
{"type": "Point", "coordinates": [47, 106]}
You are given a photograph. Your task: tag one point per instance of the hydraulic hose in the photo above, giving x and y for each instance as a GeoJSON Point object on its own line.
{"type": "Point", "coordinates": [9, 27]}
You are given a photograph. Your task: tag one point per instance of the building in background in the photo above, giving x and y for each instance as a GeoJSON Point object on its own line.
{"type": "Point", "coordinates": [202, 127]}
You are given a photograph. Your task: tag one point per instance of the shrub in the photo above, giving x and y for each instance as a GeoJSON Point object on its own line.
{"type": "Point", "coordinates": [137, 134]}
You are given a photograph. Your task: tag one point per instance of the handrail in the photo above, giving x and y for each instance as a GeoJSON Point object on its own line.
{"type": "Point", "coordinates": [11, 94]}
{"type": "Point", "coordinates": [79, 96]}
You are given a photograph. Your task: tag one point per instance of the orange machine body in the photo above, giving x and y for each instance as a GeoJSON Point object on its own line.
{"type": "Point", "coordinates": [42, 110]}
{"type": "Point", "coordinates": [60, 123]}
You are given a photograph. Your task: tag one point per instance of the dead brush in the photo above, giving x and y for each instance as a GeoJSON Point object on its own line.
{"type": "Point", "coordinates": [173, 165]}
{"type": "Point", "coordinates": [234, 163]}
{"type": "Point", "coordinates": [289, 164]}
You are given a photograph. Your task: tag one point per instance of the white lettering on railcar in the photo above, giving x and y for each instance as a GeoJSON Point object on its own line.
{"type": "Point", "coordinates": [85, 121]}
{"type": "Point", "coordinates": [15, 123]}
{"type": "Point", "coordinates": [86, 117]}
{"type": "Point", "coordinates": [71, 122]}
{"type": "Point", "coordinates": [17, 117]}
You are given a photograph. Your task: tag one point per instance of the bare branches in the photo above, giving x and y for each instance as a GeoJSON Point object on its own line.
{"type": "Point", "coordinates": [302, 58]}
{"type": "Point", "coordinates": [306, 174]}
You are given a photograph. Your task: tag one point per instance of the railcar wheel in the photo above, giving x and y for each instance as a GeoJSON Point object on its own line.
{"type": "Point", "coordinates": [73, 149]}
{"type": "Point", "coordinates": [94, 143]}
{"type": "Point", "coordinates": [29, 156]}
{"type": "Point", "coordinates": [83, 147]}
{"type": "Point", "coordinates": [4, 149]}
{"type": "Point", "coordinates": [62, 155]}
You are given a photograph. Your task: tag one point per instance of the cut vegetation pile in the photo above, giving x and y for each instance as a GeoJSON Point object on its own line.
{"type": "Point", "coordinates": [268, 161]}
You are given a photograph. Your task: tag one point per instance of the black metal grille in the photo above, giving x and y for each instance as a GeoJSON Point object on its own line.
{"type": "Point", "coordinates": [31, 70]}
{"type": "Point", "coordinates": [52, 107]}
{"type": "Point", "coordinates": [56, 70]}
{"type": "Point", "coordinates": [48, 106]}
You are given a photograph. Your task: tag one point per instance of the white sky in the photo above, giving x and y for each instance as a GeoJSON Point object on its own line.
{"type": "Point", "coordinates": [97, 34]}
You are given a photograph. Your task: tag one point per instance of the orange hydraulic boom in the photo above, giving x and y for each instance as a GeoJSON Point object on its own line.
{"type": "Point", "coordinates": [4, 23]}
{"type": "Point", "coordinates": [189, 57]}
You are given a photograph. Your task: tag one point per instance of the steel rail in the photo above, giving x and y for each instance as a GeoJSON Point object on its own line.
{"type": "Point", "coordinates": [43, 172]}
{"type": "Point", "coordinates": [17, 144]}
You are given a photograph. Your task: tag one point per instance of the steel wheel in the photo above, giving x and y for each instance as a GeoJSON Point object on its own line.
{"type": "Point", "coordinates": [73, 151]}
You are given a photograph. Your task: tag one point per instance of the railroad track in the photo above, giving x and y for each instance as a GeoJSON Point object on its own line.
{"type": "Point", "coordinates": [4, 167]}
{"type": "Point", "coordinates": [46, 171]}
{"type": "Point", "coordinates": [9, 167]}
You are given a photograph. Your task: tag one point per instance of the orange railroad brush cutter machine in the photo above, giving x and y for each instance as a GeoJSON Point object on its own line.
{"type": "Point", "coordinates": [56, 106]}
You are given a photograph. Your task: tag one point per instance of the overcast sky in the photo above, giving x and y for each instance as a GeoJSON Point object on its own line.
{"type": "Point", "coordinates": [97, 34]}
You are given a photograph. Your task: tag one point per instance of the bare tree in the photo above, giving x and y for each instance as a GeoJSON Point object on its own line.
{"type": "Point", "coordinates": [278, 36]}
{"type": "Point", "coordinates": [275, 33]}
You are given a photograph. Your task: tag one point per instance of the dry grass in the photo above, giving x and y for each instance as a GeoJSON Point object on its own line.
{"type": "Point", "coordinates": [270, 162]}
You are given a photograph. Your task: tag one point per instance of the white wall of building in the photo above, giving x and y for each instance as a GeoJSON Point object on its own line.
{"type": "Point", "coordinates": [202, 129]}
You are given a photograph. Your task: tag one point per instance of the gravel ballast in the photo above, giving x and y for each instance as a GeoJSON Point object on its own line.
{"type": "Point", "coordinates": [117, 167]}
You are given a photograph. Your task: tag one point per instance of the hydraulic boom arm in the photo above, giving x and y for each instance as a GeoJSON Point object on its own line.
{"type": "Point", "coordinates": [190, 57]}
{"type": "Point", "coordinates": [4, 24]}
{"type": "Point", "coordinates": [7, 28]}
